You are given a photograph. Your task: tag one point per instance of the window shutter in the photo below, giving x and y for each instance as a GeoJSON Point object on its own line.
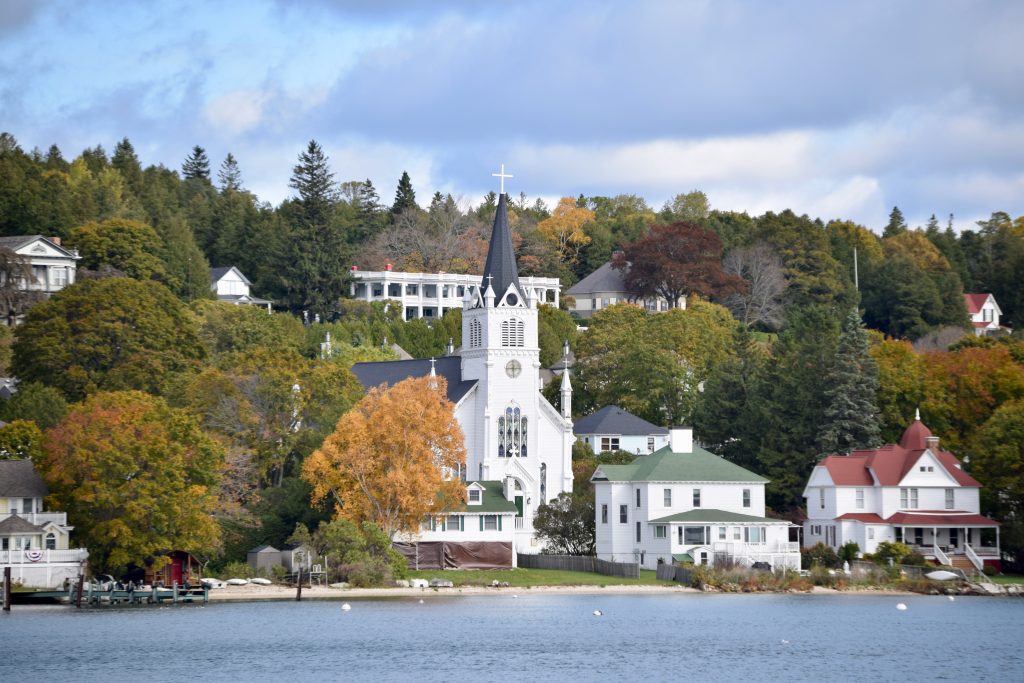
{"type": "Point", "coordinates": [499, 522]}
{"type": "Point", "coordinates": [481, 518]}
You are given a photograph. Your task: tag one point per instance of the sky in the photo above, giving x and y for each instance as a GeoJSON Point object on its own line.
{"type": "Point", "coordinates": [840, 110]}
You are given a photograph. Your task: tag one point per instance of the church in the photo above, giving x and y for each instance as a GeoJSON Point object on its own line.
{"type": "Point", "coordinates": [518, 446]}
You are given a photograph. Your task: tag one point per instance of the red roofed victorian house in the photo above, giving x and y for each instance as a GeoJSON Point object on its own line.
{"type": "Point", "coordinates": [984, 312]}
{"type": "Point", "coordinates": [912, 492]}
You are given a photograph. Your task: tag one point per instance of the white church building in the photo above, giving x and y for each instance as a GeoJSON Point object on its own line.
{"type": "Point", "coordinates": [518, 446]}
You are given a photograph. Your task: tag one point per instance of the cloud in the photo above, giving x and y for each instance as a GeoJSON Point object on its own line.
{"type": "Point", "coordinates": [236, 112]}
{"type": "Point", "coordinates": [16, 14]}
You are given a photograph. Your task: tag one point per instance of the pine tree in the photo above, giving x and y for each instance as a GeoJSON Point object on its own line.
{"type": "Point", "coordinates": [405, 196]}
{"type": "Point", "coordinates": [896, 223]}
{"type": "Point", "coordinates": [127, 164]}
{"type": "Point", "coordinates": [229, 176]}
{"type": "Point", "coordinates": [851, 411]}
{"type": "Point", "coordinates": [197, 164]}
{"type": "Point", "coordinates": [315, 275]}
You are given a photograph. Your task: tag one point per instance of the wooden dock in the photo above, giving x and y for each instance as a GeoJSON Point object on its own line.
{"type": "Point", "coordinates": [95, 597]}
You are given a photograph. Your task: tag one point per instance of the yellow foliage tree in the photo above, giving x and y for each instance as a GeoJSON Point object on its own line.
{"type": "Point", "coordinates": [391, 458]}
{"type": "Point", "coordinates": [565, 230]}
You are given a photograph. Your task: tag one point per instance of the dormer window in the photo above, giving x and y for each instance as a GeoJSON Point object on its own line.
{"type": "Point", "coordinates": [474, 496]}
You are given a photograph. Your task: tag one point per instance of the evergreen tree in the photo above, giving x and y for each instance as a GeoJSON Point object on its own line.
{"type": "Point", "coordinates": [55, 160]}
{"type": "Point", "coordinates": [896, 223]}
{"type": "Point", "coordinates": [197, 164]}
{"type": "Point", "coordinates": [405, 196]}
{"type": "Point", "coordinates": [316, 274]}
{"type": "Point", "coordinates": [229, 176]}
{"type": "Point", "coordinates": [851, 411]}
{"type": "Point", "coordinates": [127, 164]}
{"type": "Point", "coordinates": [372, 217]}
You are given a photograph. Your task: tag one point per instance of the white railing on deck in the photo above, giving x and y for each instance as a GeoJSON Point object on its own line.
{"type": "Point", "coordinates": [44, 556]}
{"type": "Point", "coordinates": [973, 557]}
{"type": "Point", "coordinates": [941, 556]}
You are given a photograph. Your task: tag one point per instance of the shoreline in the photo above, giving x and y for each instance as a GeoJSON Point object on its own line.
{"type": "Point", "coordinates": [279, 593]}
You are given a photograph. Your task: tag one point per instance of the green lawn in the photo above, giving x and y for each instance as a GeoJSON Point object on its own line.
{"type": "Point", "coordinates": [525, 578]}
{"type": "Point", "coordinates": [1004, 579]}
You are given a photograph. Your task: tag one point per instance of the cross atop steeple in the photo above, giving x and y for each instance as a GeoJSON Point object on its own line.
{"type": "Point", "coordinates": [502, 175]}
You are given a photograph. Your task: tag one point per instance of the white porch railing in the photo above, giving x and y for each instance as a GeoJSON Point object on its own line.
{"type": "Point", "coordinates": [942, 557]}
{"type": "Point", "coordinates": [973, 557]}
{"type": "Point", "coordinates": [42, 557]}
{"type": "Point", "coordinates": [39, 518]}
{"type": "Point", "coordinates": [519, 524]}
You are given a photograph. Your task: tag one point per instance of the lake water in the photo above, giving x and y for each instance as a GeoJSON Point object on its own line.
{"type": "Point", "coordinates": [532, 637]}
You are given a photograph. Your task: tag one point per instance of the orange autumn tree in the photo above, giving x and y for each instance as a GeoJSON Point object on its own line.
{"type": "Point", "coordinates": [390, 459]}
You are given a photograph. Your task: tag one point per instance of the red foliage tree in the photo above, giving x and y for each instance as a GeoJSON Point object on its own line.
{"type": "Point", "coordinates": [676, 260]}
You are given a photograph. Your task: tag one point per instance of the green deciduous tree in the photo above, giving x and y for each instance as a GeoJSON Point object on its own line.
{"type": "Point", "coordinates": [567, 524]}
{"type": "Point", "coordinates": [136, 477]}
{"type": "Point", "coordinates": [115, 333]}
{"type": "Point", "coordinates": [21, 440]}
{"type": "Point", "coordinates": [36, 402]}
{"type": "Point", "coordinates": [120, 246]}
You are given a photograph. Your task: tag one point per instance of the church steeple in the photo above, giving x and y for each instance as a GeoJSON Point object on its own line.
{"type": "Point", "coordinates": [500, 270]}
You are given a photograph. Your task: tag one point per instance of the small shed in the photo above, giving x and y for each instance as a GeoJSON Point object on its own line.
{"type": "Point", "coordinates": [181, 566]}
{"type": "Point", "coordinates": [263, 557]}
{"type": "Point", "coordinates": [295, 555]}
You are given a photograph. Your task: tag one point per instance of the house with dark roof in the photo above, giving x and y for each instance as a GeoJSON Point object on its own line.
{"type": "Point", "coordinates": [34, 543]}
{"type": "Point", "coordinates": [682, 504]}
{"type": "Point", "coordinates": [516, 442]}
{"type": "Point", "coordinates": [606, 286]}
{"type": "Point", "coordinates": [913, 492]}
{"type": "Point", "coordinates": [613, 429]}
{"type": "Point", "coordinates": [984, 312]}
{"type": "Point", "coordinates": [229, 284]}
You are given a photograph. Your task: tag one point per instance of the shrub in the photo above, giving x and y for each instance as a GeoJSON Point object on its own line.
{"type": "Point", "coordinates": [369, 572]}
{"type": "Point", "coordinates": [914, 558]}
{"type": "Point", "coordinates": [237, 570]}
{"type": "Point", "coordinates": [989, 570]}
{"type": "Point", "coordinates": [849, 551]}
{"type": "Point", "coordinates": [819, 556]}
{"type": "Point", "coordinates": [890, 551]}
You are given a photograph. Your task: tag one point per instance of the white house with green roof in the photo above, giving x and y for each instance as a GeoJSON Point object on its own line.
{"type": "Point", "coordinates": [684, 504]}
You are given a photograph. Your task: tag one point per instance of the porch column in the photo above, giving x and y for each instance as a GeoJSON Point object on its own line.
{"type": "Point", "coordinates": [963, 541]}
{"type": "Point", "coordinates": [935, 536]}
{"type": "Point", "coordinates": [999, 552]}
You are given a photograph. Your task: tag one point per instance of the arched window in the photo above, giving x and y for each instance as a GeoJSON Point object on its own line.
{"type": "Point", "coordinates": [513, 332]}
{"type": "Point", "coordinates": [475, 334]}
{"type": "Point", "coordinates": [512, 433]}
{"type": "Point", "coordinates": [543, 483]}
{"type": "Point", "coordinates": [51, 542]}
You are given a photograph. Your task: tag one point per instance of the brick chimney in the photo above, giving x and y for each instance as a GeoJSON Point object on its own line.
{"type": "Point", "coordinates": [55, 240]}
{"type": "Point", "coordinates": [932, 443]}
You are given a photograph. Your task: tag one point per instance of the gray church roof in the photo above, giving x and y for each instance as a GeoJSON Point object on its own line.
{"type": "Point", "coordinates": [604, 279]}
{"type": "Point", "coordinates": [615, 420]}
{"type": "Point", "coordinates": [392, 372]}
{"type": "Point", "coordinates": [19, 479]}
{"type": "Point", "coordinates": [501, 258]}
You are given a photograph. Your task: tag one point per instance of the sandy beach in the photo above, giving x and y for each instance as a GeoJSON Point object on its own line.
{"type": "Point", "coordinates": [254, 592]}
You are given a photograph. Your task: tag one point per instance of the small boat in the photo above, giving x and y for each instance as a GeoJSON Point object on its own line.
{"type": "Point", "coordinates": [261, 582]}
{"type": "Point", "coordinates": [212, 583]}
{"type": "Point", "coordinates": [942, 575]}
{"type": "Point", "coordinates": [237, 582]}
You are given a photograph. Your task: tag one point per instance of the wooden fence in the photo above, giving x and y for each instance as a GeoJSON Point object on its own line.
{"type": "Point", "coordinates": [581, 563]}
{"type": "Point", "coordinates": [670, 572]}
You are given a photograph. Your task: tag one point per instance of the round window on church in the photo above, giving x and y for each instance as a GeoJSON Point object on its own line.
{"type": "Point", "coordinates": [513, 368]}
{"type": "Point", "coordinates": [511, 300]}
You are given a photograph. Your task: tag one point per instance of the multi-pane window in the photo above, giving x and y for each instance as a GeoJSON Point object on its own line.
{"type": "Point", "coordinates": [696, 498]}
{"type": "Point", "coordinates": [668, 498]}
{"type": "Point", "coordinates": [650, 444]}
{"type": "Point", "coordinates": [694, 535]}
{"type": "Point", "coordinates": [735, 533]}
{"type": "Point", "coordinates": [454, 523]}
{"type": "Point", "coordinates": [660, 531]}
{"type": "Point", "coordinates": [623, 514]}
{"type": "Point", "coordinates": [513, 332]}
{"type": "Point", "coordinates": [474, 495]}
{"type": "Point", "coordinates": [908, 499]}
{"type": "Point", "coordinates": [721, 533]}
{"type": "Point", "coordinates": [51, 542]}
{"type": "Point", "coordinates": [754, 534]}
{"type": "Point", "coordinates": [604, 514]}
{"type": "Point", "coordinates": [746, 498]}
{"type": "Point", "coordinates": [871, 533]}
{"type": "Point", "coordinates": [609, 443]}
{"type": "Point", "coordinates": [949, 499]}
{"type": "Point", "coordinates": [860, 499]}
{"type": "Point", "coordinates": [512, 433]}
{"type": "Point", "coordinates": [490, 522]}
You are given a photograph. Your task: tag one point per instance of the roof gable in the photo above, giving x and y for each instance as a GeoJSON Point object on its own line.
{"type": "Point", "coordinates": [925, 469]}
{"type": "Point", "coordinates": [975, 302]}
{"type": "Point", "coordinates": [35, 245]}
{"type": "Point", "coordinates": [615, 420]}
{"type": "Point", "coordinates": [218, 274]}
{"type": "Point", "coordinates": [604, 279]}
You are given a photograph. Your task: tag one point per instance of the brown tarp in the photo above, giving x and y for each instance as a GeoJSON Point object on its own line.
{"type": "Point", "coordinates": [446, 555]}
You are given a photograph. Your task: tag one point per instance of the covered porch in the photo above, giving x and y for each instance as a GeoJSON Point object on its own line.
{"type": "Point", "coordinates": [964, 540]}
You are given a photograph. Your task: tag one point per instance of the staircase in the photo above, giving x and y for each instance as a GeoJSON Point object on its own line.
{"type": "Point", "coordinates": [961, 562]}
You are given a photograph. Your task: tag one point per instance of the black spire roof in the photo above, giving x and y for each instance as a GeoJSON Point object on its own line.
{"type": "Point", "coordinates": [501, 259]}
